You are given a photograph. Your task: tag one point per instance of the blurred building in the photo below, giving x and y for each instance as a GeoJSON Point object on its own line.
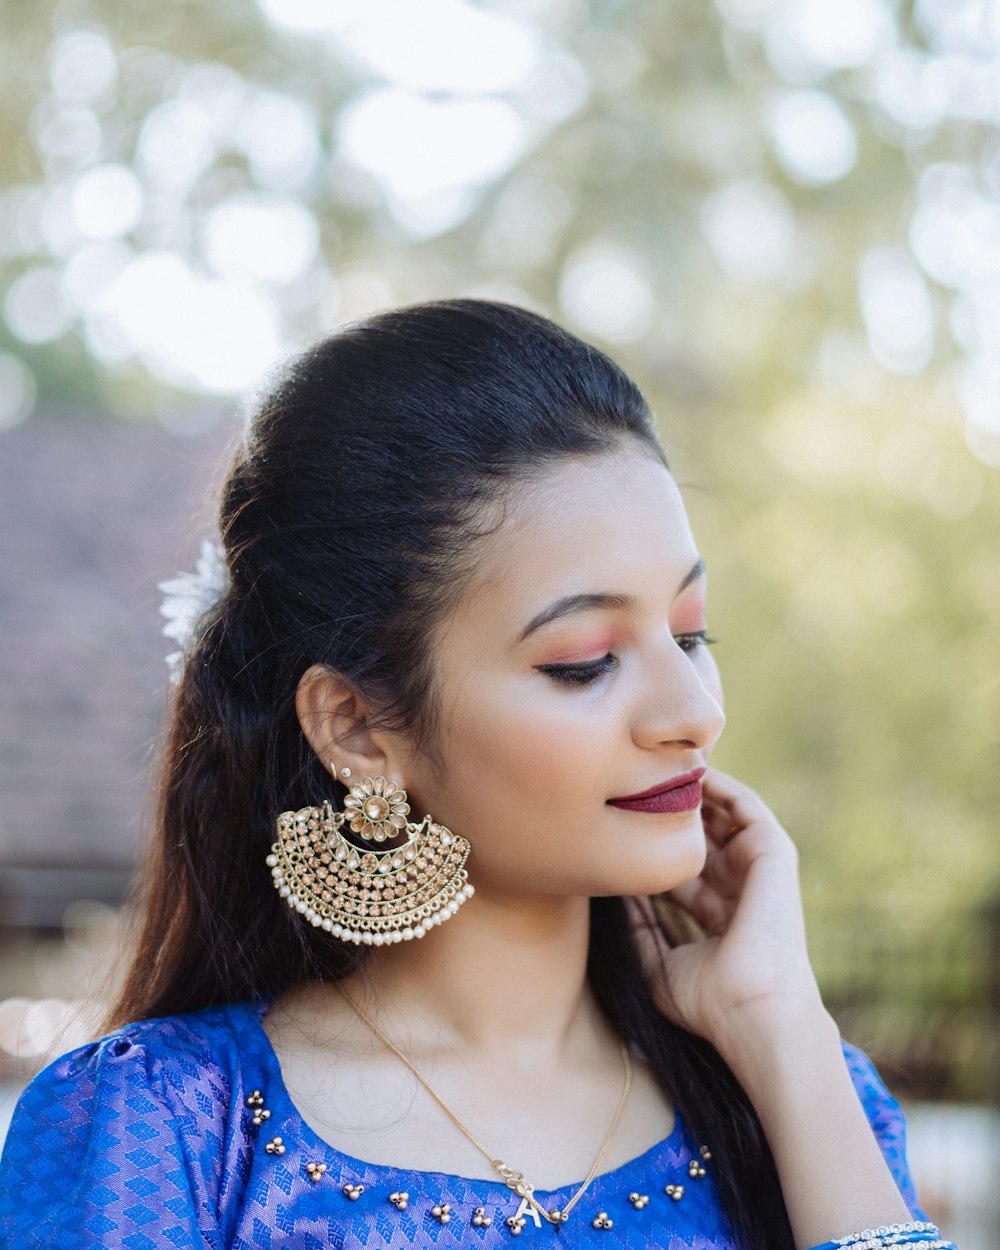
{"type": "Point", "coordinates": [93, 514]}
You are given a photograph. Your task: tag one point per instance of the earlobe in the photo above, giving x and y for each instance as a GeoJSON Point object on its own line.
{"type": "Point", "coordinates": [334, 717]}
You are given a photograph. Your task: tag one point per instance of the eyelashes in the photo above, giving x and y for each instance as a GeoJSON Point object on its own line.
{"type": "Point", "coordinates": [691, 642]}
{"type": "Point", "coordinates": [575, 675]}
{"type": "Point", "coordinates": [584, 674]}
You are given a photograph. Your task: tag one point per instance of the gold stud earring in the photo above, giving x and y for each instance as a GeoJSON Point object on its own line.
{"type": "Point", "coordinates": [363, 894]}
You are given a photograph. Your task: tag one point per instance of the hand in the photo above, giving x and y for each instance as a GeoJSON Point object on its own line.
{"type": "Point", "coordinates": [752, 968]}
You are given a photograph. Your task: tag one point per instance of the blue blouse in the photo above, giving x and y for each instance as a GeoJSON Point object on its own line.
{"type": "Point", "coordinates": [145, 1140]}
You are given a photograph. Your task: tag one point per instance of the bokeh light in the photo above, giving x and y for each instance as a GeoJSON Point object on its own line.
{"type": "Point", "coordinates": [35, 309]}
{"type": "Point", "coordinates": [812, 137]}
{"type": "Point", "coordinates": [106, 202]}
{"type": "Point", "coordinates": [897, 310]}
{"type": "Point", "coordinates": [604, 291]}
{"type": "Point", "coordinates": [416, 147]}
{"type": "Point", "coordinates": [18, 391]}
{"type": "Point", "coordinates": [752, 232]}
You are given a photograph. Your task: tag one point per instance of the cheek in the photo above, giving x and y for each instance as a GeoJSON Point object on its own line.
{"type": "Point", "coordinates": [527, 758]}
{"type": "Point", "coordinates": [528, 772]}
{"type": "Point", "coordinates": [543, 737]}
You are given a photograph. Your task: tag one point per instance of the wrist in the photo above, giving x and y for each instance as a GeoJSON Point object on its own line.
{"type": "Point", "coordinates": [792, 1068]}
{"type": "Point", "coordinates": [771, 1037]}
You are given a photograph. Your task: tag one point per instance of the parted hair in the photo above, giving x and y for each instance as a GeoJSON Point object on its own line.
{"type": "Point", "coordinates": [349, 520]}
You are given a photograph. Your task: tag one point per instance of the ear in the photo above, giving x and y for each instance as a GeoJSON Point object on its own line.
{"type": "Point", "coordinates": [334, 718]}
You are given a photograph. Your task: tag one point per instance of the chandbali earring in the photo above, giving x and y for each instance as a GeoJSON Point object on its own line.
{"type": "Point", "coordinates": [368, 894]}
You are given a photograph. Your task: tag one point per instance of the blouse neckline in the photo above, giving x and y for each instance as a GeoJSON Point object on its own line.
{"type": "Point", "coordinates": [285, 1113]}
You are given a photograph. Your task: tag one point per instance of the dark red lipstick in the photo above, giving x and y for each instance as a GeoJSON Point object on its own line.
{"type": "Point", "coordinates": [679, 794]}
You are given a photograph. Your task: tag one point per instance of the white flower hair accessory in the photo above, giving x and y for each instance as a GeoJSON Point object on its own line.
{"type": "Point", "coordinates": [187, 597]}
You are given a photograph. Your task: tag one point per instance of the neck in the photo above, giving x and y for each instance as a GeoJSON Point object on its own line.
{"type": "Point", "coordinates": [506, 975]}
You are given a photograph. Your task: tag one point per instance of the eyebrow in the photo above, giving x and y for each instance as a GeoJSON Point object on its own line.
{"type": "Point", "coordinates": [570, 604]}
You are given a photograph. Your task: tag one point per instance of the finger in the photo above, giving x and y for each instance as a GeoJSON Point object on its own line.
{"type": "Point", "coordinates": [724, 810]}
{"type": "Point", "coordinates": [759, 830]}
{"type": "Point", "coordinates": [642, 915]}
{"type": "Point", "coordinates": [722, 868]}
{"type": "Point", "coordinates": [741, 802]}
{"type": "Point", "coordinates": [723, 874]}
{"type": "Point", "coordinates": [708, 907]}
{"type": "Point", "coordinates": [712, 913]}
{"type": "Point", "coordinates": [718, 822]}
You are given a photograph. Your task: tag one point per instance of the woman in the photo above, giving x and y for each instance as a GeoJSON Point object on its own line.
{"type": "Point", "coordinates": [462, 582]}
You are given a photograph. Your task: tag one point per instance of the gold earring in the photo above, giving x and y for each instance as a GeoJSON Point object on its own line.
{"type": "Point", "coordinates": [364, 895]}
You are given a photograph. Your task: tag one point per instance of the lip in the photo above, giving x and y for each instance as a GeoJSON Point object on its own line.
{"type": "Point", "coordinates": [679, 794]}
{"type": "Point", "coordinates": [681, 779]}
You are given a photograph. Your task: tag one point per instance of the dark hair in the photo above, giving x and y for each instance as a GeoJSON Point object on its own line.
{"type": "Point", "coordinates": [346, 520]}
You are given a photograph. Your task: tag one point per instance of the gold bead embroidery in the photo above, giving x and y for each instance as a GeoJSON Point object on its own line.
{"type": "Point", "coordinates": [353, 1192]}
{"type": "Point", "coordinates": [316, 1171]}
{"type": "Point", "coordinates": [481, 1219]}
{"type": "Point", "coordinates": [399, 1199]}
{"type": "Point", "coordinates": [260, 1112]}
{"type": "Point", "coordinates": [638, 1200]}
{"type": "Point", "coordinates": [675, 1191]}
{"type": "Point", "coordinates": [602, 1220]}
{"type": "Point", "coordinates": [275, 1146]}
{"type": "Point", "coordinates": [442, 1212]}
{"type": "Point", "coordinates": [515, 1223]}
{"type": "Point", "coordinates": [695, 1169]}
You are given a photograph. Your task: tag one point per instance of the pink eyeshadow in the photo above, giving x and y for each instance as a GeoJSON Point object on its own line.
{"type": "Point", "coordinates": [690, 618]}
{"type": "Point", "coordinates": [591, 649]}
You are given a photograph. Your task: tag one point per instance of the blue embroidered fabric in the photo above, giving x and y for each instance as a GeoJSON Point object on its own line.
{"type": "Point", "coordinates": [144, 1140]}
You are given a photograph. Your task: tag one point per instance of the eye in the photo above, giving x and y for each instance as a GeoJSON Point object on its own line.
{"type": "Point", "coordinates": [691, 642]}
{"type": "Point", "coordinates": [579, 674]}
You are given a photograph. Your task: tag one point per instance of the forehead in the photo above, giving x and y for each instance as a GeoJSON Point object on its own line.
{"type": "Point", "coordinates": [615, 522]}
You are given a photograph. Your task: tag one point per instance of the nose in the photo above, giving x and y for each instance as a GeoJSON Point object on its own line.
{"type": "Point", "coordinates": [680, 701]}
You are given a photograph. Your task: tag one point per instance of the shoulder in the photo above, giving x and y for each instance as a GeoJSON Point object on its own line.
{"type": "Point", "coordinates": [153, 1108]}
{"type": "Point", "coordinates": [197, 1055]}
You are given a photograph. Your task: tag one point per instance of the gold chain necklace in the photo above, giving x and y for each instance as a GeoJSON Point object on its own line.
{"type": "Point", "coordinates": [512, 1178]}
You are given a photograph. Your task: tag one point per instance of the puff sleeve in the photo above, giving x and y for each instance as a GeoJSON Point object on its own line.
{"type": "Point", "coordinates": [97, 1156]}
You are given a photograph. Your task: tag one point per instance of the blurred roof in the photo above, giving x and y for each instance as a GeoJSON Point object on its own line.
{"type": "Point", "coordinates": [93, 514]}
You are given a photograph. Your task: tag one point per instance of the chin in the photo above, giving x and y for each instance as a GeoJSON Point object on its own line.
{"type": "Point", "coordinates": [680, 859]}
{"type": "Point", "coordinates": [662, 863]}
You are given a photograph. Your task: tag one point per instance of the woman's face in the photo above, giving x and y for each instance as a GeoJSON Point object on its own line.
{"type": "Point", "coordinates": [573, 673]}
